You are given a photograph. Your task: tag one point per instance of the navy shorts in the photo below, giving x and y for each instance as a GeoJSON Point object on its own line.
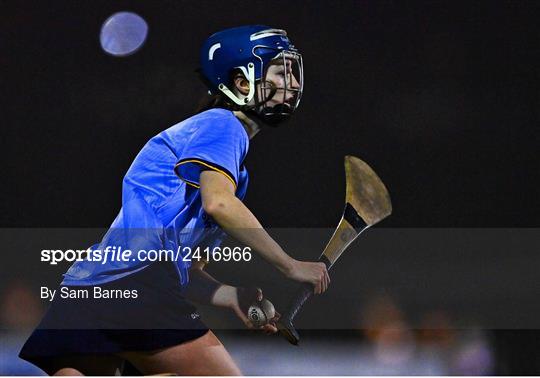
{"type": "Point", "coordinates": [158, 317]}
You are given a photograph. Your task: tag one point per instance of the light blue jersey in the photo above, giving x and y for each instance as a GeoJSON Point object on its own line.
{"type": "Point", "coordinates": [161, 201]}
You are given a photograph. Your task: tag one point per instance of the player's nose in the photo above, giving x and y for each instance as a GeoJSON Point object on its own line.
{"type": "Point", "coordinates": [294, 83]}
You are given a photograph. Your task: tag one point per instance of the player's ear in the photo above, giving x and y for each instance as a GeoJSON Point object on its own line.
{"type": "Point", "coordinates": [241, 83]}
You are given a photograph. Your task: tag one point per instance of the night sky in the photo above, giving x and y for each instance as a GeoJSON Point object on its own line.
{"type": "Point", "coordinates": [440, 98]}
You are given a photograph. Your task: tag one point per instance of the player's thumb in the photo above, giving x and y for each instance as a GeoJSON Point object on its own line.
{"type": "Point", "coordinates": [246, 296]}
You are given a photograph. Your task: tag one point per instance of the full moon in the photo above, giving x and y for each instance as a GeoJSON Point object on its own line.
{"type": "Point", "coordinates": [123, 33]}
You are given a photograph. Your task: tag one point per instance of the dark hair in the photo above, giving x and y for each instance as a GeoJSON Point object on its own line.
{"type": "Point", "coordinates": [211, 101]}
{"type": "Point", "coordinates": [217, 100]}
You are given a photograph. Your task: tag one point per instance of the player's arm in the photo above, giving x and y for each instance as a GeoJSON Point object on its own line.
{"type": "Point", "coordinates": [205, 289]}
{"type": "Point", "coordinates": [219, 201]}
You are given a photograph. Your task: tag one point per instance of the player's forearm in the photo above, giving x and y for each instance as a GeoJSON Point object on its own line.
{"type": "Point", "coordinates": [205, 289]}
{"type": "Point", "coordinates": [239, 222]}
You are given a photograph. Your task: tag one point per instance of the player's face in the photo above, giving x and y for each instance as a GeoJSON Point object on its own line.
{"type": "Point", "coordinates": [281, 74]}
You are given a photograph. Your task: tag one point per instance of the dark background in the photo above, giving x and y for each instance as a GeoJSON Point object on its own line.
{"type": "Point", "coordinates": [440, 98]}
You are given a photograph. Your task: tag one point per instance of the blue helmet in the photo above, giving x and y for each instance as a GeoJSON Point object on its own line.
{"type": "Point", "coordinates": [249, 49]}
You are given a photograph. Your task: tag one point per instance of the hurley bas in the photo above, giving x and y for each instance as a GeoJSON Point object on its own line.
{"type": "Point", "coordinates": [94, 292]}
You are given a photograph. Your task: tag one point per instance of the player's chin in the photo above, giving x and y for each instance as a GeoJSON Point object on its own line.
{"type": "Point", "coordinates": [277, 115]}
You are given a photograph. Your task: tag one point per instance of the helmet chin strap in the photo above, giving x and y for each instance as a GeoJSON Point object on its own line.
{"type": "Point", "coordinates": [272, 115]}
{"type": "Point", "coordinates": [275, 115]}
{"type": "Point", "coordinates": [250, 75]}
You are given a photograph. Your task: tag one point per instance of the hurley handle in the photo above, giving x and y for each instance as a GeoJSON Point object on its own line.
{"type": "Point", "coordinates": [304, 292]}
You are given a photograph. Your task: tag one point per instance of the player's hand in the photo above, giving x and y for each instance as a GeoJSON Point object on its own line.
{"type": "Point", "coordinates": [314, 273]}
{"type": "Point", "coordinates": [243, 298]}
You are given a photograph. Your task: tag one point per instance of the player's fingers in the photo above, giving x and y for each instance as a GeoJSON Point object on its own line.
{"type": "Point", "coordinates": [317, 289]}
{"type": "Point", "coordinates": [326, 279]}
{"type": "Point", "coordinates": [269, 328]}
{"type": "Point", "coordinates": [259, 294]}
{"type": "Point", "coordinates": [246, 296]}
{"type": "Point", "coordinates": [324, 283]}
{"type": "Point", "coordinates": [323, 277]}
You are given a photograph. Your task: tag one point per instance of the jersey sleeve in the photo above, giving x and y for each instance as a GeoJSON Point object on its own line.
{"type": "Point", "coordinates": [219, 145]}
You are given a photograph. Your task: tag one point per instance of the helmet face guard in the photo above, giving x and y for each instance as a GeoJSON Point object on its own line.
{"type": "Point", "coordinates": [290, 93]}
{"type": "Point", "coordinates": [252, 50]}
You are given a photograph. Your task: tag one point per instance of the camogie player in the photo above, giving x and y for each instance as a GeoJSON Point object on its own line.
{"type": "Point", "coordinates": [184, 188]}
